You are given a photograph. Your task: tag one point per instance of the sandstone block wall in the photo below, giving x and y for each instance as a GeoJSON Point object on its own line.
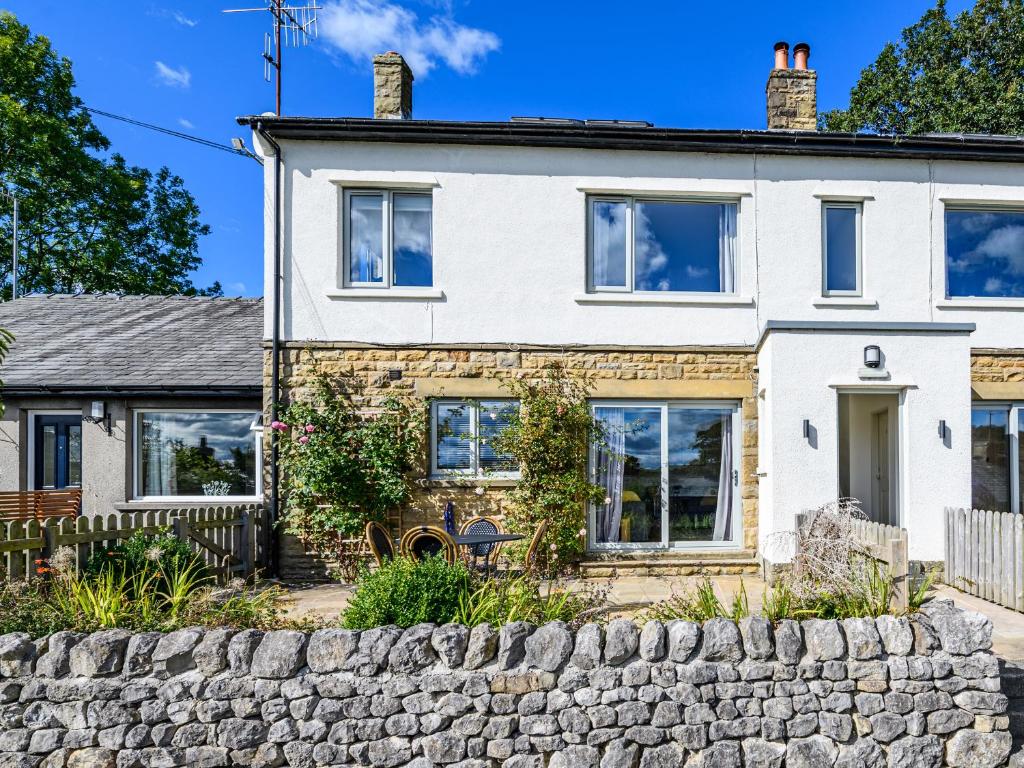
{"type": "Point", "coordinates": [923, 691]}
{"type": "Point", "coordinates": [460, 372]}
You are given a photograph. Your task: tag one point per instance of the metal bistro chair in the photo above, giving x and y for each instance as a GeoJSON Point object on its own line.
{"type": "Point", "coordinates": [480, 525]}
{"type": "Point", "coordinates": [379, 540]}
{"type": "Point", "coordinates": [426, 541]}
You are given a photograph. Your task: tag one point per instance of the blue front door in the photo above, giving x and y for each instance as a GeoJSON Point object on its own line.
{"type": "Point", "coordinates": [58, 452]}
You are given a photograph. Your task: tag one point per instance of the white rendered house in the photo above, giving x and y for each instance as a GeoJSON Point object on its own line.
{"type": "Point", "coordinates": [776, 318]}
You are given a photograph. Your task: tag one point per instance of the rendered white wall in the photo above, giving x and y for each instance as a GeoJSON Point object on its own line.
{"type": "Point", "coordinates": [510, 235]}
{"type": "Point", "coordinates": [802, 373]}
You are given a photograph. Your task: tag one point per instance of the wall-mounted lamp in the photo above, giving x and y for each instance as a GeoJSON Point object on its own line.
{"type": "Point", "coordinates": [807, 428]}
{"type": "Point", "coordinates": [942, 429]}
{"type": "Point", "coordinates": [872, 356]}
{"type": "Point", "coordinates": [98, 414]}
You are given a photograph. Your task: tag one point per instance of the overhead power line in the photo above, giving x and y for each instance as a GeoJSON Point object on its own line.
{"type": "Point", "coordinates": [176, 134]}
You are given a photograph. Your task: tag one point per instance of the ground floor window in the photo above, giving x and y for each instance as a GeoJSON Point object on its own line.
{"type": "Point", "coordinates": [197, 453]}
{"type": "Point", "coordinates": [670, 474]}
{"type": "Point", "coordinates": [462, 438]}
{"type": "Point", "coordinates": [996, 468]}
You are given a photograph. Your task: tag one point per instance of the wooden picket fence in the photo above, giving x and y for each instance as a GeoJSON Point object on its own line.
{"type": "Point", "coordinates": [887, 544]}
{"type": "Point", "coordinates": [985, 554]}
{"type": "Point", "coordinates": [229, 538]}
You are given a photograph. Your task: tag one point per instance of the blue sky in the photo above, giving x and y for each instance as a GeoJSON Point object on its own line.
{"type": "Point", "coordinates": [186, 65]}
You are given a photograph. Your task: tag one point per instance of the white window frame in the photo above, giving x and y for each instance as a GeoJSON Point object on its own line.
{"type": "Point", "coordinates": [736, 542]}
{"type": "Point", "coordinates": [255, 428]}
{"type": "Point", "coordinates": [630, 202]}
{"type": "Point", "coordinates": [995, 206]}
{"type": "Point", "coordinates": [858, 226]}
{"type": "Point", "coordinates": [387, 237]}
{"type": "Point", "coordinates": [473, 472]}
{"type": "Point", "coordinates": [1015, 410]}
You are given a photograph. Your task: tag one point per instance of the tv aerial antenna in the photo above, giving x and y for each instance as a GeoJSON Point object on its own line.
{"type": "Point", "coordinates": [294, 25]}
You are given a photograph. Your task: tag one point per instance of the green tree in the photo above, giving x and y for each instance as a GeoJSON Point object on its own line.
{"type": "Point", "coordinates": [6, 338]}
{"type": "Point", "coordinates": [88, 221]}
{"type": "Point", "coordinates": [964, 74]}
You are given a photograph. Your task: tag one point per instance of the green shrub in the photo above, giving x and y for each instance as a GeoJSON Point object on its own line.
{"type": "Point", "coordinates": [141, 555]}
{"type": "Point", "coordinates": [26, 607]}
{"type": "Point", "coordinates": [407, 592]}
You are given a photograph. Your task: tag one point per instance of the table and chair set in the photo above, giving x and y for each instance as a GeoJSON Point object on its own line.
{"type": "Point", "coordinates": [478, 539]}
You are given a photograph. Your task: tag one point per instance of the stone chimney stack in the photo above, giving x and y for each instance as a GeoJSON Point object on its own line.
{"type": "Point", "coordinates": [792, 92]}
{"type": "Point", "coordinates": [392, 87]}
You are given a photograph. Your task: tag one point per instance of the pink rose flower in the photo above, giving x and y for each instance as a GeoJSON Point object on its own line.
{"type": "Point", "coordinates": [304, 439]}
{"type": "Point", "coordinates": [310, 428]}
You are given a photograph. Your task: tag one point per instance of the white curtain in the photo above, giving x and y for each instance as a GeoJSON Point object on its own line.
{"type": "Point", "coordinates": [610, 461]}
{"type": "Point", "coordinates": [727, 248]}
{"type": "Point", "coordinates": [723, 513]}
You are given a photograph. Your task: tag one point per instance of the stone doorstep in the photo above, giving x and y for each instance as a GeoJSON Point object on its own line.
{"type": "Point", "coordinates": [711, 563]}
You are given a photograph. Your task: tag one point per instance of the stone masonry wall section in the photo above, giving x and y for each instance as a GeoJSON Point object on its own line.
{"type": "Point", "coordinates": [458, 373]}
{"type": "Point", "coordinates": [917, 692]}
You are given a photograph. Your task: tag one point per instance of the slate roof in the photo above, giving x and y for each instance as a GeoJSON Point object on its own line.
{"type": "Point", "coordinates": [83, 342]}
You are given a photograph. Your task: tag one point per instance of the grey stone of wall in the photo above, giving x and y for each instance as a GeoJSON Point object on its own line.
{"type": "Point", "coordinates": [893, 691]}
{"type": "Point", "coordinates": [792, 96]}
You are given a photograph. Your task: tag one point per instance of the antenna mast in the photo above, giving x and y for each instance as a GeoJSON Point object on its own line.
{"type": "Point", "coordinates": [295, 24]}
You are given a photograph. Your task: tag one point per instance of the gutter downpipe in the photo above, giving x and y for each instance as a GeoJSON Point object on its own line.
{"type": "Point", "coordinates": [271, 542]}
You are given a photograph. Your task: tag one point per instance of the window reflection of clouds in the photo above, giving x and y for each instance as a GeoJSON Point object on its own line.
{"type": "Point", "coordinates": [365, 246]}
{"type": "Point", "coordinates": [985, 253]}
{"type": "Point", "coordinates": [411, 221]}
{"type": "Point", "coordinates": [677, 246]}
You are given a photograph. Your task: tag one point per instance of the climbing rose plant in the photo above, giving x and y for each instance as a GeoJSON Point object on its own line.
{"type": "Point", "coordinates": [550, 437]}
{"type": "Point", "coordinates": [343, 465]}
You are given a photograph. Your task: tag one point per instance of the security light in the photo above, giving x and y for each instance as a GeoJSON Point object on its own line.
{"type": "Point", "coordinates": [872, 356]}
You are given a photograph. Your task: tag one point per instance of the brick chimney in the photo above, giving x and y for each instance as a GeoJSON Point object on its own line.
{"type": "Point", "coordinates": [792, 92]}
{"type": "Point", "coordinates": [392, 87]}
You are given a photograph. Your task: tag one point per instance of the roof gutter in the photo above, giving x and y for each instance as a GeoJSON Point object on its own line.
{"type": "Point", "coordinates": [271, 542]}
{"type": "Point", "coordinates": [131, 391]}
{"type": "Point", "coordinates": [819, 143]}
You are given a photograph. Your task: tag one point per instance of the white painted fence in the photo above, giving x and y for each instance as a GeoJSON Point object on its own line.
{"type": "Point", "coordinates": [985, 555]}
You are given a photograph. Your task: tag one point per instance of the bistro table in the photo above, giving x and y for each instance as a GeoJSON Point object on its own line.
{"type": "Point", "coordinates": [478, 539]}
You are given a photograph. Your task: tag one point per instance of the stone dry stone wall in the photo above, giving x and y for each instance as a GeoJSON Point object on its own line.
{"type": "Point", "coordinates": [908, 693]}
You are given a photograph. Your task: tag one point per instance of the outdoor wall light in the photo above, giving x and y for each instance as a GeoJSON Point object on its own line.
{"type": "Point", "coordinates": [98, 414]}
{"type": "Point", "coordinates": [942, 429]}
{"type": "Point", "coordinates": [807, 428]}
{"type": "Point", "coordinates": [872, 356]}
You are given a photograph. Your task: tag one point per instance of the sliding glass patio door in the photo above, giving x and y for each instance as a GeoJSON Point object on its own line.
{"type": "Point", "coordinates": [670, 474]}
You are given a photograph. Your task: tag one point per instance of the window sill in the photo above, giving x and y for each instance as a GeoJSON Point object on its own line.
{"type": "Point", "coordinates": [468, 482]}
{"type": "Point", "coordinates": [164, 502]}
{"type": "Point", "coordinates": [979, 303]}
{"type": "Point", "coordinates": [833, 302]}
{"type": "Point", "coordinates": [678, 299]}
{"type": "Point", "coordinates": [386, 294]}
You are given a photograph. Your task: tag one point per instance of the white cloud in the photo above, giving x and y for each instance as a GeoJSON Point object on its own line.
{"type": "Point", "coordinates": [1006, 243]}
{"type": "Point", "coordinates": [233, 288]}
{"type": "Point", "coordinates": [176, 78]}
{"type": "Point", "coordinates": [182, 19]}
{"type": "Point", "coordinates": [185, 123]}
{"type": "Point", "coordinates": [361, 28]}
{"type": "Point", "coordinates": [994, 285]}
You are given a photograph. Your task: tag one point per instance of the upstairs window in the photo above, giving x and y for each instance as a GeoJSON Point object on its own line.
{"type": "Point", "coordinates": [841, 257]}
{"type": "Point", "coordinates": [462, 438]}
{"type": "Point", "coordinates": [984, 253]}
{"type": "Point", "coordinates": [388, 240]}
{"type": "Point", "coordinates": [651, 245]}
